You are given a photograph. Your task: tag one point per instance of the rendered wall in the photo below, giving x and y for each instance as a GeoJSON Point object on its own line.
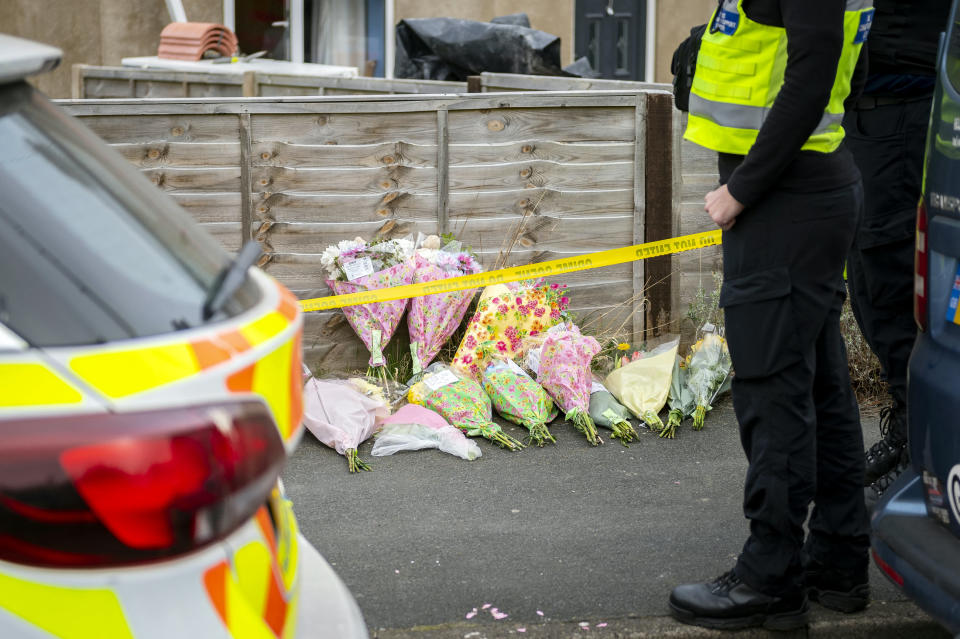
{"type": "Point", "coordinates": [95, 31]}
{"type": "Point", "coordinates": [674, 20]}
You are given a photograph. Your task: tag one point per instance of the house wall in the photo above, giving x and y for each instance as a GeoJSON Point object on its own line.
{"type": "Point", "coordinates": [674, 20]}
{"type": "Point", "coordinates": [94, 31]}
{"type": "Point", "coordinates": [101, 32]}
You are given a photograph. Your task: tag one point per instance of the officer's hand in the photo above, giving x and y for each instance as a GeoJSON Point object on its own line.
{"type": "Point", "coordinates": [722, 207]}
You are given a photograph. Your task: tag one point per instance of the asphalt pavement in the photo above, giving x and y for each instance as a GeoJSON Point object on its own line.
{"type": "Point", "coordinates": [539, 542]}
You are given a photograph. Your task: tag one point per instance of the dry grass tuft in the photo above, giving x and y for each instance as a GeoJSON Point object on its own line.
{"type": "Point", "coordinates": [865, 375]}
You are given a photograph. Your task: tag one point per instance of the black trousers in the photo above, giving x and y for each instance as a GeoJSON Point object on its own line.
{"type": "Point", "coordinates": [799, 422]}
{"type": "Point", "coordinates": [887, 143]}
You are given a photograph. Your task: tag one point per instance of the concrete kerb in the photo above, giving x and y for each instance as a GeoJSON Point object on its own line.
{"type": "Point", "coordinates": [882, 620]}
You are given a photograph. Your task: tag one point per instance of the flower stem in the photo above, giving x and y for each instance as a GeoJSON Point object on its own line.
{"type": "Point", "coordinates": [698, 416]}
{"type": "Point", "coordinates": [582, 422]}
{"type": "Point", "coordinates": [504, 440]}
{"type": "Point", "coordinates": [540, 435]}
{"type": "Point", "coordinates": [673, 420]}
{"type": "Point", "coordinates": [625, 432]}
{"type": "Point", "coordinates": [652, 420]}
{"type": "Point", "coordinates": [354, 463]}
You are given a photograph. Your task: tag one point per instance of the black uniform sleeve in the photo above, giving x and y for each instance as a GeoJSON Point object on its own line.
{"type": "Point", "coordinates": [814, 44]}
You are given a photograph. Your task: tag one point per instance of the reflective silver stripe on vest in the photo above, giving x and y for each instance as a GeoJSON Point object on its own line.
{"type": "Point", "coordinates": [738, 116]}
{"type": "Point", "coordinates": [859, 5]}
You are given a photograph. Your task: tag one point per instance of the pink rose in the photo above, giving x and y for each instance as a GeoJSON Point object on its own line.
{"type": "Point", "coordinates": [467, 359]}
{"type": "Point", "coordinates": [502, 346]}
{"type": "Point", "coordinates": [503, 308]}
{"type": "Point", "coordinates": [564, 300]}
{"type": "Point", "coordinates": [540, 311]}
{"type": "Point", "coordinates": [554, 286]}
{"type": "Point", "coordinates": [471, 341]}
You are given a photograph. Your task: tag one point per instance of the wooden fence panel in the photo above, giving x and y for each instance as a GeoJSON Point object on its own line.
{"type": "Point", "coordinates": [522, 178]}
{"type": "Point", "coordinates": [96, 82]}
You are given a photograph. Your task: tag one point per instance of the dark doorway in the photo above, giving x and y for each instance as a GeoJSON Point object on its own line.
{"type": "Point", "coordinates": [612, 36]}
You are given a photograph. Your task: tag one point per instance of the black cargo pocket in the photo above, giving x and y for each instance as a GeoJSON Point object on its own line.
{"type": "Point", "coordinates": [760, 326]}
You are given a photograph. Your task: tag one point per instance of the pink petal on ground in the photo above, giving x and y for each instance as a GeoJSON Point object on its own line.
{"type": "Point", "coordinates": [397, 571]}
{"type": "Point", "coordinates": [500, 615]}
{"type": "Point", "coordinates": [521, 629]}
{"type": "Point", "coordinates": [472, 614]}
{"type": "Point", "coordinates": [584, 624]}
{"type": "Point", "coordinates": [485, 606]}
{"type": "Point", "coordinates": [602, 625]}
{"type": "Point", "coordinates": [540, 612]}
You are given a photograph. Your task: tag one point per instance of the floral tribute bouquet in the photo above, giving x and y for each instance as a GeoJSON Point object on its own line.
{"type": "Point", "coordinates": [520, 399]}
{"type": "Point", "coordinates": [606, 411]}
{"type": "Point", "coordinates": [415, 428]}
{"type": "Point", "coordinates": [709, 373]}
{"type": "Point", "coordinates": [643, 384]}
{"type": "Point", "coordinates": [505, 317]}
{"type": "Point", "coordinates": [343, 414]}
{"type": "Point", "coordinates": [462, 402]}
{"type": "Point", "coordinates": [355, 266]}
{"type": "Point", "coordinates": [564, 372]}
{"type": "Point", "coordinates": [433, 318]}
{"type": "Point", "coordinates": [681, 400]}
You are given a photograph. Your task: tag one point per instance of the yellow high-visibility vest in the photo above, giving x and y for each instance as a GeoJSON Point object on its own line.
{"type": "Point", "coordinates": [740, 71]}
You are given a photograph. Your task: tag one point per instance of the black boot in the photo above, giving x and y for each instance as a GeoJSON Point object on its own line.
{"type": "Point", "coordinates": [729, 604]}
{"type": "Point", "coordinates": [843, 590]}
{"type": "Point", "coordinates": [883, 456]}
{"type": "Point", "coordinates": [873, 492]}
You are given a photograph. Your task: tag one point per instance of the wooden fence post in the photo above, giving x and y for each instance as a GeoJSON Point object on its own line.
{"type": "Point", "coordinates": [659, 210]}
{"type": "Point", "coordinates": [639, 206]}
{"type": "Point", "coordinates": [443, 169]}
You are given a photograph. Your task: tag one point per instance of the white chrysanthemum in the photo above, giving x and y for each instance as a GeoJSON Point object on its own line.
{"type": "Point", "coordinates": [405, 248]}
{"type": "Point", "coordinates": [428, 254]}
{"type": "Point", "coordinates": [348, 245]}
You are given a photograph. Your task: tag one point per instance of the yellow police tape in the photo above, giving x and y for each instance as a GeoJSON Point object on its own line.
{"type": "Point", "coordinates": [516, 273]}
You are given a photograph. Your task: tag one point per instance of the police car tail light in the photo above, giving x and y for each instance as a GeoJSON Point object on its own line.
{"type": "Point", "coordinates": [115, 489]}
{"type": "Point", "coordinates": [920, 280]}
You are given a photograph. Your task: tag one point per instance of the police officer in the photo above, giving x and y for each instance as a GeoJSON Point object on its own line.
{"type": "Point", "coordinates": [886, 131]}
{"type": "Point", "coordinates": [768, 94]}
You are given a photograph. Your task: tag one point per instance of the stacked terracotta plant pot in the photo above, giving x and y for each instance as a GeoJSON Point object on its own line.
{"type": "Point", "coordinates": [191, 40]}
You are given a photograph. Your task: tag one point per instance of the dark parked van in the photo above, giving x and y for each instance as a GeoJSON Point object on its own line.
{"type": "Point", "coordinates": [916, 526]}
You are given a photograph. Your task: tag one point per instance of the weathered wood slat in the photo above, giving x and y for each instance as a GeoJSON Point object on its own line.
{"type": "Point", "coordinates": [227, 233]}
{"type": "Point", "coordinates": [541, 200]}
{"type": "Point", "coordinates": [180, 154]}
{"type": "Point", "coordinates": [164, 128]}
{"type": "Point", "coordinates": [586, 234]}
{"type": "Point", "coordinates": [346, 128]}
{"type": "Point", "coordinates": [697, 159]}
{"type": "Point", "coordinates": [519, 82]}
{"type": "Point", "coordinates": [542, 173]}
{"type": "Point", "coordinates": [180, 179]}
{"type": "Point", "coordinates": [611, 124]}
{"type": "Point", "coordinates": [307, 207]}
{"type": "Point", "coordinates": [115, 82]}
{"type": "Point", "coordinates": [211, 207]}
{"type": "Point", "coordinates": [106, 88]}
{"type": "Point", "coordinates": [349, 180]}
{"type": "Point", "coordinates": [343, 155]}
{"type": "Point", "coordinates": [528, 150]}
